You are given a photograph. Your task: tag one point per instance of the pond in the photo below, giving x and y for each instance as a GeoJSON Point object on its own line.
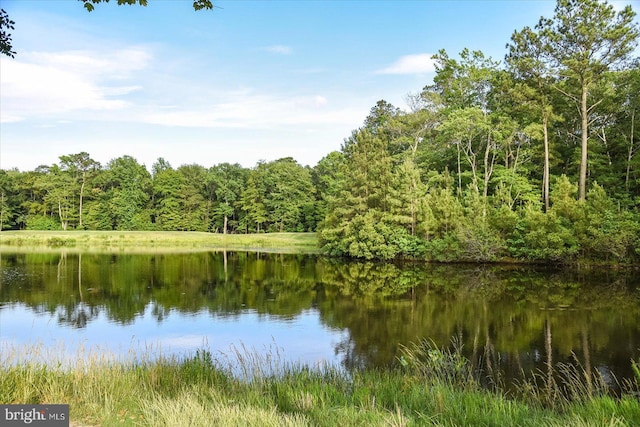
{"type": "Point", "coordinates": [315, 310]}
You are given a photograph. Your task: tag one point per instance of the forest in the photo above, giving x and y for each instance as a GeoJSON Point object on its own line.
{"type": "Point", "coordinates": [531, 158]}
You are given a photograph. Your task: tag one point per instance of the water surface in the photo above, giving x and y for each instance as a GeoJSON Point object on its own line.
{"type": "Point", "coordinates": [315, 310]}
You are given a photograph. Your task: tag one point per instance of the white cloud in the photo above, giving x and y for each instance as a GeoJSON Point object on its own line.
{"type": "Point", "coordinates": [9, 118]}
{"type": "Point", "coordinates": [279, 49]}
{"type": "Point", "coordinates": [317, 101]}
{"type": "Point", "coordinates": [256, 111]}
{"type": "Point", "coordinates": [82, 86]}
{"type": "Point", "coordinates": [39, 84]}
{"type": "Point", "coordinates": [111, 102]}
{"type": "Point", "coordinates": [115, 64]}
{"type": "Point", "coordinates": [410, 64]}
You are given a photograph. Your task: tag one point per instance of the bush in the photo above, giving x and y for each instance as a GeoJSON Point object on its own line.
{"type": "Point", "coordinates": [542, 237]}
{"type": "Point", "coordinates": [445, 249]}
{"type": "Point", "coordinates": [42, 223]}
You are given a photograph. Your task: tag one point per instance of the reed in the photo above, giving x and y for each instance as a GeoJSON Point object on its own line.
{"type": "Point", "coordinates": [248, 387]}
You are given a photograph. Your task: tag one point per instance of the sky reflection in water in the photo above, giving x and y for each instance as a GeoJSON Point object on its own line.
{"type": "Point", "coordinates": [299, 339]}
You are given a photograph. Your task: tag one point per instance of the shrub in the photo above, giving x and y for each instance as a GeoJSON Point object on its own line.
{"type": "Point", "coordinates": [42, 223]}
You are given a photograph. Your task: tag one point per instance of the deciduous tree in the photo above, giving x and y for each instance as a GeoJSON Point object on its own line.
{"type": "Point", "coordinates": [81, 167]}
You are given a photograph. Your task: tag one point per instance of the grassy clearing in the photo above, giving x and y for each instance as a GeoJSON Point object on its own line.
{"type": "Point", "coordinates": [433, 388]}
{"type": "Point", "coordinates": [145, 241]}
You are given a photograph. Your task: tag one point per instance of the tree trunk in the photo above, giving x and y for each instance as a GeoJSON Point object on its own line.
{"type": "Point", "coordinates": [587, 361]}
{"type": "Point", "coordinates": [472, 159]}
{"type": "Point", "coordinates": [1, 210]}
{"type": "Point", "coordinates": [488, 167]}
{"type": "Point", "coordinates": [487, 172]}
{"type": "Point", "coordinates": [550, 386]}
{"type": "Point", "coordinates": [63, 222]}
{"type": "Point", "coordinates": [630, 156]}
{"type": "Point", "coordinates": [545, 176]}
{"type": "Point", "coordinates": [585, 134]}
{"type": "Point", "coordinates": [226, 220]}
{"type": "Point", "coordinates": [459, 171]}
{"type": "Point", "coordinates": [80, 207]}
{"type": "Point", "coordinates": [80, 275]}
{"type": "Point", "coordinates": [226, 267]}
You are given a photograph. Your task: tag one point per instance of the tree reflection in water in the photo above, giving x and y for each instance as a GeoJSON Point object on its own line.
{"type": "Point", "coordinates": [508, 319]}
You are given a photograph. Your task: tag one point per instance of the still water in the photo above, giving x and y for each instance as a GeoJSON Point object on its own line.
{"type": "Point", "coordinates": [315, 310]}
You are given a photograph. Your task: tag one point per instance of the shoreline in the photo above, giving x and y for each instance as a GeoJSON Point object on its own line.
{"type": "Point", "coordinates": [161, 242]}
{"type": "Point", "coordinates": [155, 241]}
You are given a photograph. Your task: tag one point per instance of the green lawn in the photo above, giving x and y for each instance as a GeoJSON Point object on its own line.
{"type": "Point", "coordinates": [158, 240]}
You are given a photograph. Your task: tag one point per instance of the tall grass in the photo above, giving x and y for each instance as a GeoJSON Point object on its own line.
{"type": "Point", "coordinates": [439, 365]}
{"type": "Point", "coordinates": [245, 387]}
{"type": "Point", "coordinates": [636, 369]}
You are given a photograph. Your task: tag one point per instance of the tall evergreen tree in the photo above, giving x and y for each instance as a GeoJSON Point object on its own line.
{"type": "Point", "coordinates": [534, 84]}
{"type": "Point", "coordinates": [582, 41]}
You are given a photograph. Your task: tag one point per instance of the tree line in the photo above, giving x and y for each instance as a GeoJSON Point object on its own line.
{"type": "Point", "coordinates": [534, 158]}
{"type": "Point", "coordinates": [79, 193]}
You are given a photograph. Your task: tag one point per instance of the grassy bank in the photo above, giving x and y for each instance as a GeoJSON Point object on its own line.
{"type": "Point", "coordinates": [433, 388]}
{"type": "Point", "coordinates": [157, 241]}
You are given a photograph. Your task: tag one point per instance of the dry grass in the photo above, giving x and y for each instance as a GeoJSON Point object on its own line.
{"type": "Point", "coordinates": [203, 408]}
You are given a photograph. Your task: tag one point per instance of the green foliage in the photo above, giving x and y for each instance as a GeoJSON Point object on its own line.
{"type": "Point", "coordinates": [360, 223]}
{"type": "Point", "coordinates": [609, 233]}
{"type": "Point", "coordinates": [512, 190]}
{"type": "Point", "coordinates": [38, 222]}
{"type": "Point", "coordinates": [128, 185]}
{"type": "Point", "coordinates": [563, 197]}
{"type": "Point", "coordinates": [197, 4]}
{"type": "Point", "coordinates": [380, 117]}
{"type": "Point", "coordinates": [81, 168]}
{"type": "Point", "coordinates": [483, 167]}
{"type": "Point", "coordinates": [584, 40]}
{"type": "Point", "coordinates": [6, 25]}
{"type": "Point", "coordinates": [326, 176]}
{"type": "Point", "coordinates": [8, 200]}
{"type": "Point", "coordinates": [542, 237]}
{"type": "Point", "coordinates": [448, 367]}
{"type": "Point", "coordinates": [368, 236]}
{"type": "Point", "coordinates": [179, 197]}
{"type": "Point", "coordinates": [287, 192]}
{"type": "Point", "coordinates": [252, 204]}
{"type": "Point", "coordinates": [95, 217]}
{"type": "Point", "coordinates": [636, 370]}
{"type": "Point", "coordinates": [447, 248]}
{"type": "Point", "coordinates": [226, 182]}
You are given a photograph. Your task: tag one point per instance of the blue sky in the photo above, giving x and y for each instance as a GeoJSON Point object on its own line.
{"type": "Point", "coordinates": [249, 81]}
